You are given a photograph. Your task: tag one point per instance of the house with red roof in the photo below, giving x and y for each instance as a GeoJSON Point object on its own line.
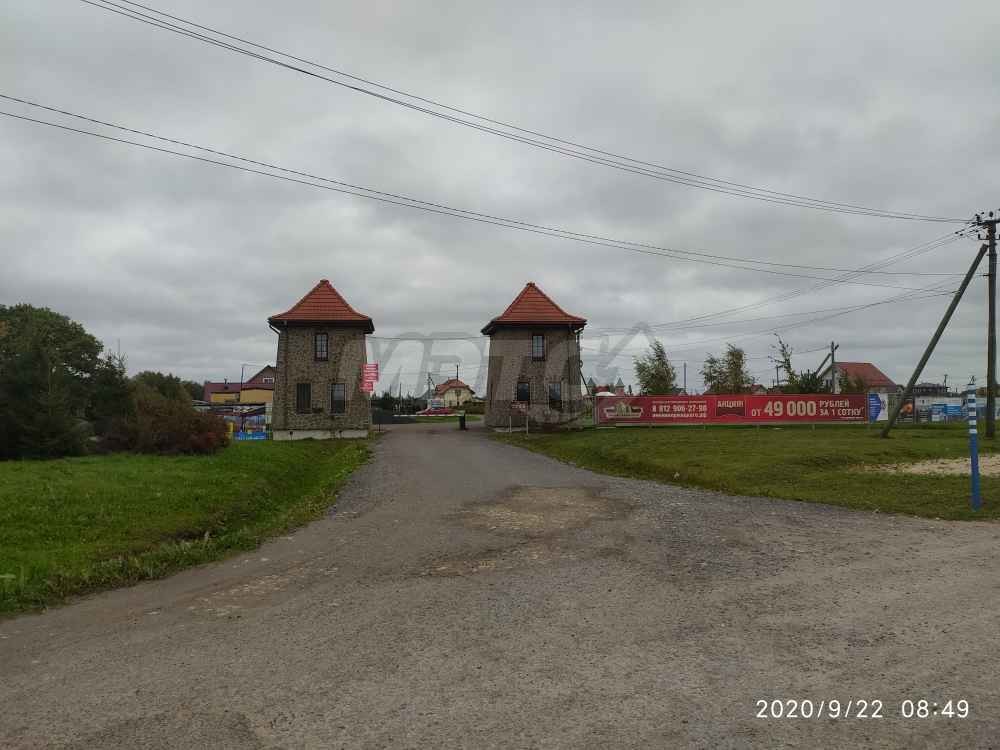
{"type": "Point", "coordinates": [318, 373]}
{"type": "Point", "coordinates": [534, 363]}
{"type": "Point", "coordinates": [874, 379]}
{"type": "Point", "coordinates": [258, 389]}
{"type": "Point", "coordinates": [453, 392]}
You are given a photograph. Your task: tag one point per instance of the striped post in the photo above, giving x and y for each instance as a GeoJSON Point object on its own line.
{"type": "Point", "coordinates": [977, 502]}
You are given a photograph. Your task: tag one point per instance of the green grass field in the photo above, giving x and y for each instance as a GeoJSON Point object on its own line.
{"type": "Point", "coordinates": [824, 465]}
{"type": "Point", "coordinates": [76, 525]}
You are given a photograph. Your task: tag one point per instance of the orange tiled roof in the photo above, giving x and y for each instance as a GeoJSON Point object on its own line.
{"type": "Point", "coordinates": [534, 307]}
{"type": "Point", "coordinates": [448, 385]}
{"type": "Point", "coordinates": [323, 304]}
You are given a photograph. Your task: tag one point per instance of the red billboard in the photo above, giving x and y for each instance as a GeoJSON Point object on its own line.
{"type": "Point", "coordinates": [740, 408]}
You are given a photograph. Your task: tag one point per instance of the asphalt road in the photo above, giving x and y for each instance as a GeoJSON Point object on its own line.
{"type": "Point", "coordinates": [471, 594]}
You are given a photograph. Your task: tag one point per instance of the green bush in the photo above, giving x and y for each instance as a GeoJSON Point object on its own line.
{"type": "Point", "coordinates": [160, 424]}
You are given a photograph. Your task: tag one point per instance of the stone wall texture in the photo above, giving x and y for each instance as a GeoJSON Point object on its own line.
{"type": "Point", "coordinates": [296, 364]}
{"type": "Point", "coordinates": [510, 362]}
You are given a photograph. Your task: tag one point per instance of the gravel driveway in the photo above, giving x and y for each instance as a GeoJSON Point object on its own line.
{"type": "Point", "coordinates": [471, 594]}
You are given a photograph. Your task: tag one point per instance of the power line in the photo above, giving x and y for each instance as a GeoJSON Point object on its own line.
{"type": "Point", "coordinates": [437, 208]}
{"type": "Point", "coordinates": [693, 345]}
{"type": "Point", "coordinates": [913, 252]}
{"type": "Point", "coordinates": [555, 144]}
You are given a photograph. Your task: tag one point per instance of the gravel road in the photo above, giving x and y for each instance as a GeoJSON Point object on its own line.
{"type": "Point", "coordinates": [467, 593]}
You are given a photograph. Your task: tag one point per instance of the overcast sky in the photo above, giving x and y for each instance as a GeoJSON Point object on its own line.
{"type": "Point", "coordinates": [891, 105]}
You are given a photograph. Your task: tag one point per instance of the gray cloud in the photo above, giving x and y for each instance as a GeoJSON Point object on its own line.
{"type": "Point", "coordinates": [889, 106]}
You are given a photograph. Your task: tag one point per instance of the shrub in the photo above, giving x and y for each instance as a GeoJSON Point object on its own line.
{"type": "Point", "coordinates": [165, 425]}
{"type": "Point", "coordinates": [474, 407]}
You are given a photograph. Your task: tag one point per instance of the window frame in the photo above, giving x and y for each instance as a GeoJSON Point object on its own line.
{"type": "Point", "coordinates": [517, 391]}
{"type": "Point", "coordinates": [557, 404]}
{"type": "Point", "coordinates": [298, 398]}
{"type": "Point", "coordinates": [326, 346]}
{"type": "Point", "coordinates": [333, 398]}
{"type": "Point", "coordinates": [538, 357]}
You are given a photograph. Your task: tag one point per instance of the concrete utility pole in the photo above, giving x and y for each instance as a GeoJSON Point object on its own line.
{"type": "Point", "coordinates": [834, 385]}
{"type": "Point", "coordinates": [991, 337]}
{"type": "Point", "coordinates": [934, 339]}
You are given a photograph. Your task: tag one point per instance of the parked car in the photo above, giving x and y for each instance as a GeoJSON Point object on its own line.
{"type": "Point", "coordinates": [435, 411]}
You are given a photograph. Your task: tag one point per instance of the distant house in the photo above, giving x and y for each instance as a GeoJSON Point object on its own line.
{"type": "Point", "coordinates": [534, 363]}
{"type": "Point", "coordinates": [318, 379]}
{"type": "Point", "coordinates": [258, 389]}
{"type": "Point", "coordinates": [874, 379]}
{"type": "Point", "coordinates": [453, 392]}
{"type": "Point", "coordinates": [930, 389]}
{"type": "Point", "coordinates": [221, 393]}
{"type": "Point", "coordinates": [758, 389]}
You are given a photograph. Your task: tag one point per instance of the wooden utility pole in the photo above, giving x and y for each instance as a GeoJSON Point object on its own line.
{"type": "Point", "coordinates": [991, 337]}
{"type": "Point", "coordinates": [933, 342]}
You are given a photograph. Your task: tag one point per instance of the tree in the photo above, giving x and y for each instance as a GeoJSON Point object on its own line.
{"type": "Point", "coordinates": [654, 372]}
{"type": "Point", "coordinates": [47, 362]}
{"type": "Point", "coordinates": [66, 344]}
{"type": "Point", "coordinates": [849, 384]}
{"type": "Point", "coordinates": [169, 386]}
{"type": "Point", "coordinates": [728, 373]}
{"type": "Point", "coordinates": [46, 423]}
{"type": "Point", "coordinates": [802, 381]}
{"type": "Point", "coordinates": [111, 393]}
{"type": "Point", "coordinates": [195, 391]}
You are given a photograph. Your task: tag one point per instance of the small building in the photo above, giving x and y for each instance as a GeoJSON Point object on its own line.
{"type": "Point", "coordinates": [930, 389]}
{"type": "Point", "coordinates": [534, 363]}
{"type": "Point", "coordinates": [874, 379]}
{"type": "Point", "coordinates": [222, 392]}
{"type": "Point", "coordinates": [453, 392]}
{"type": "Point", "coordinates": [318, 378]}
{"type": "Point", "coordinates": [259, 389]}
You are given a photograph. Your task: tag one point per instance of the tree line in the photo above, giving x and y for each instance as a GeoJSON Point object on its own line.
{"type": "Point", "coordinates": [62, 395]}
{"type": "Point", "coordinates": [728, 373]}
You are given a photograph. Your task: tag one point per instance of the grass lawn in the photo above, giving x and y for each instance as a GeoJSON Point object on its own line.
{"type": "Point", "coordinates": [80, 524]}
{"type": "Point", "coordinates": [796, 463]}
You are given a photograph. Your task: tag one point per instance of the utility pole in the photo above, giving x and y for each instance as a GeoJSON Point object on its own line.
{"type": "Point", "coordinates": [685, 378]}
{"type": "Point", "coordinates": [990, 224]}
{"type": "Point", "coordinates": [933, 342]}
{"type": "Point", "coordinates": [834, 385]}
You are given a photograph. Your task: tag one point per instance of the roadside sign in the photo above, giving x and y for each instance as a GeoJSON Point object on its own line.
{"type": "Point", "coordinates": [369, 374]}
{"type": "Point", "coordinates": [734, 408]}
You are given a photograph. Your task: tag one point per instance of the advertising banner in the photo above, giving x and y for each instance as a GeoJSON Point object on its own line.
{"type": "Point", "coordinates": [369, 374]}
{"type": "Point", "coordinates": [740, 408]}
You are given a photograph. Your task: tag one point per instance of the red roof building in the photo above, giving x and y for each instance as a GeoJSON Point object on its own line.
{"type": "Point", "coordinates": [226, 392]}
{"type": "Point", "coordinates": [323, 304]}
{"type": "Point", "coordinates": [453, 392]}
{"type": "Point", "coordinates": [873, 378]}
{"type": "Point", "coordinates": [534, 307]}
{"type": "Point", "coordinates": [447, 385]}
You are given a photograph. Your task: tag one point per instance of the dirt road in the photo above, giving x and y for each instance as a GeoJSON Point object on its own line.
{"type": "Point", "coordinates": [471, 594]}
